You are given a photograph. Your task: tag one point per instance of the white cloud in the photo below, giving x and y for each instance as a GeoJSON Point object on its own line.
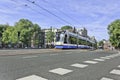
{"type": "Point", "coordinates": [104, 7]}
{"type": "Point", "coordinates": [94, 15]}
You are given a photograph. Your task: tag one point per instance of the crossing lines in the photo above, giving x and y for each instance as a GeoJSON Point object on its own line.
{"type": "Point", "coordinates": [115, 71]}
{"type": "Point", "coordinates": [27, 57]}
{"type": "Point", "coordinates": [104, 78]}
{"type": "Point", "coordinates": [112, 72]}
{"type": "Point", "coordinates": [99, 59]}
{"type": "Point", "coordinates": [83, 65]}
{"type": "Point", "coordinates": [79, 65]}
{"type": "Point", "coordinates": [32, 77]}
{"type": "Point", "coordinates": [90, 62]}
{"type": "Point", "coordinates": [61, 71]}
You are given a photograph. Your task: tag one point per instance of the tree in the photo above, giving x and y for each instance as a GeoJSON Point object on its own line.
{"type": "Point", "coordinates": [66, 27]}
{"type": "Point", "coordinates": [23, 24]}
{"type": "Point", "coordinates": [24, 27]}
{"type": "Point", "coordinates": [100, 44]}
{"type": "Point", "coordinates": [10, 36]}
{"type": "Point", "coordinates": [114, 33]}
{"type": "Point", "coordinates": [3, 28]}
{"type": "Point", "coordinates": [23, 34]}
{"type": "Point", "coordinates": [35, 38]}
{"type": "Point", "coordinates": [25, 37]}
{"type": "Point", "coordinates": [50, 36]}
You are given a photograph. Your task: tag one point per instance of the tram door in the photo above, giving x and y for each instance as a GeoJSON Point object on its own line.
{"type": "Point", "coordinates": [65, 39]}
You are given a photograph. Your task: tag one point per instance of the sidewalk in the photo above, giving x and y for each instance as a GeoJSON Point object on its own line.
{"type": "Point", "coordinates": [24, 51]}
{"type": "Point", "coordinates": [8, 52]}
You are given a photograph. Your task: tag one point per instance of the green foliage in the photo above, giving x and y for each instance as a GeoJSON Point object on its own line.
{"type": "Point", "coordinates": [23, 24]}
{"type": "Point", "coordinates": [35, 35]}
{"type": "Point", "coordinates": [24, 32]}
{"type": "Point", "coordinates": [29, 32]}
{"type": "Point", "coordinates": [24, 28]}
{"type": "Point", "coordinates": [73, 40]}
{"type": "Point", "coordinates": [66, 27]}
{"type": "Point", "coordinates": [10, 36]}
{"type": "Point", "coordinates": [100, 43]}
{"type": "Point", "coordinates": [3, 28]}
{"type": "Point", "coordinates": [114, 32]}
{"type": "Point", "coordinates": [50, 36]}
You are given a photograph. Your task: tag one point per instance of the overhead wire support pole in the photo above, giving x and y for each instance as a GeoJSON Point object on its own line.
{"type": "Point", "coordinates": [48, 11]}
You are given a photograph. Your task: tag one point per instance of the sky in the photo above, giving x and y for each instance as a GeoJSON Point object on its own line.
{"type": "Point", "coordinates": [94, 15]}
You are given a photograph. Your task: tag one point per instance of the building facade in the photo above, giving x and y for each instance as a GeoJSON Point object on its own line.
{"type": "Point", "coordinates": [83, 32]}
{"type": "Point", "coordinates": [107, 45]}
{"type": "Point", "coordinates": [55, 30]}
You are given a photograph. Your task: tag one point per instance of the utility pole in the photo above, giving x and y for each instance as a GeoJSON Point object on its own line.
{"type": "Point", "coordinates": [77, 39]}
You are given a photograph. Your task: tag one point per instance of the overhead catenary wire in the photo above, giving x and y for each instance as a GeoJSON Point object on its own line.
{"type": "Point", "coordinates": [29, 7]}
{"type": "Point", "coordinates": [34, 9]}
{"type": "Point", "coordinates": [49, 12]}
{"type": "Point", "coordinates": [68, 16]}
{"type": "Point", "coordinates": [26, 5]}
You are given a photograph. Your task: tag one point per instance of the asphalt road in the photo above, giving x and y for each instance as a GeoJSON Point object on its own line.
{"type": "Point", "coordinates": [61, 65]}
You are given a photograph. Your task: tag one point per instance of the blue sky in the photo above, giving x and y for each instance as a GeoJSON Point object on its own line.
{"type": "Point", "coordinates": [95, 15]}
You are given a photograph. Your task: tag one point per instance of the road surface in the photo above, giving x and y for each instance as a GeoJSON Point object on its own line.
{"type": "Point", "coordinates": [60, 65]}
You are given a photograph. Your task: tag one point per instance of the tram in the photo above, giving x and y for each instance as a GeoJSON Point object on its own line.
{"type": "Point", "coordinates": [70, 40]}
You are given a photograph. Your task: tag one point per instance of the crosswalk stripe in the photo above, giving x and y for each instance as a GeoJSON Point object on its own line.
{"type": "Point", "coordinates": [60, 71]}
{"type": "Point", "coordinates": [104, 78]}
{"type": "Point", "coordinates": [90, 62]}
{"type": "Point", "coordinates": [119, 66]}
{"type": "Point", "coordinates": [29, 56]}
{"type": "Point", "coordinates": [105, 57]}
{"type": "Point", "coordinates": [99, 59]}
{"type": "Point", "coordinates": [115, 71]}
{"type": "Point", "coordinates": [79, 65]}
{"type": "Point", "coordinates": [32, 77]}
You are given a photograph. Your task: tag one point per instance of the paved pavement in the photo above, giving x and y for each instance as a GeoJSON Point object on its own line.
{"type": "Point", "coordinates": [61, 65]}
{"type": "Point", "coordinates": [7, 52]}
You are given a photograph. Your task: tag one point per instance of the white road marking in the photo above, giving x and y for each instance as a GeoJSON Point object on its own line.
{"type": "Point", "coordinates": [119, 66]}
{"type": "Point", "coordinates": [29, 56]}
{"type": "Point", "coordinates": [32, 77]}
{"type": "Point", "coordinates": [91, 62]}
{"type": "Point", "coordinates": [68, 53]}
{"type": "Point", "coordinates": [99, 59]}
{"type": "Point", "coordinates": [115, 71]}
{"type": "Point", "coordinates": [79, 65]}
{"type": "Point", "coordinates": [105, 57]}
{"type": "Point", "coordinates": [53, 54]}
{"type": "Point", "coordinates": [60, 71]}
{"type": "Point", "coordinates": [113, 56]}
{"type": "Point", "coordinates": [108, 56]}
{"type": "Point", "coordinates": [104, 78]}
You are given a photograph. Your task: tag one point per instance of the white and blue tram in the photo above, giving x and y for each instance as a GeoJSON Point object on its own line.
{"type": "Point", "coordinates": [70, 40]}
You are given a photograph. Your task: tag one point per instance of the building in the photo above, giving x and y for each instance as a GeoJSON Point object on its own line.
{"type": "Point", "coordinates": [83, 32]}
{"type": "Point", "coordinates": [107, 45]}
{"type": "Point", "coordinates": [55, 30]}
{"type": "Point", "coordinates": [42, 41]}
{"type": "Point", "coordinates": [93, 39]}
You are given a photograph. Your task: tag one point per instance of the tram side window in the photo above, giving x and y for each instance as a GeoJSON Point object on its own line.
{"type": "Point", "coordinates": [72, 40]}
{"type": "Point", "coordinates": [57, 37]}
{"type": "Point", "coordinates": [65, 39]}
